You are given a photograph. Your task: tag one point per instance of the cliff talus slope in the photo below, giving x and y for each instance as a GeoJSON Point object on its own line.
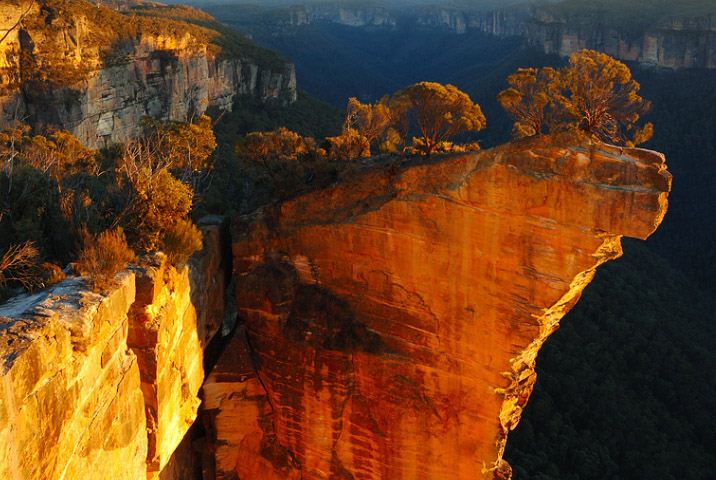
{"type": "Point", "coordinates": [394, 320]}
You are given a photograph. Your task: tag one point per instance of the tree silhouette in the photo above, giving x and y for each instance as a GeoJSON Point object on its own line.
{"type": "Point", "coordinates": [603, 98]}
{"type": "Point", "coordinates": [532, 100]}
{"type": "Point", "coordinates": [595, 94]}
{"type": "Point", "coordinates": [369, 120]}
{"type": "Point", "coordinates": [438, 112]}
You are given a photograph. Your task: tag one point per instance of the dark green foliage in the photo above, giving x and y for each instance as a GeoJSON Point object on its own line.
{"type": "Point", "coordinates": [624, 388]}
{"type": "Point", "coordinates": [240, 187]}
{"type": "Point", "coordinates": [632, 17]}
{"type": "Point", "coordinates": [307, 116]}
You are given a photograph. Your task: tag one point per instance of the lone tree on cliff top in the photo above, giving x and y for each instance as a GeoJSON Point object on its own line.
{"type": "Point", "coordinates": [595, 94]}
{"type": "Point", "coordinates": [438, 112]}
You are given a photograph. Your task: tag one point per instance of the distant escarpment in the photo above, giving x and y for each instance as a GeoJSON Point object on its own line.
{"type": "Point", "coordinates": [96, 72]}
{"type": "Point", "coordinates": [673, 43]}
{"type": "Point", "coordinates": [668, 38]}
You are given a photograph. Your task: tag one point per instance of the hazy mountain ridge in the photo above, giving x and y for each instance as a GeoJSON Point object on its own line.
{"type": "Point", "coordinates": [675, 35]}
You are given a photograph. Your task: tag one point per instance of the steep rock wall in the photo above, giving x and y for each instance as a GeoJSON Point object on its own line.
{"type": "Point", "coordinates": [71, 405]}
{"type": "Point", "coordinates": [675, 44]}
{"type": "Point", "coordinates": [105, 386]}
{"type": "Point", "coordinates": [101, 91]}
{"type": "Point", "coordinates": [393, 321]}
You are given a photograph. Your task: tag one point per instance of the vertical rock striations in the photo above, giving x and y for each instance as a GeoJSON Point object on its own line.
{"type": "Point", "coordinates": [394, 320]}
{"type": "Point", "coordinates": [175, 316]}
{"type": "Point", "coordinates": [97, 72]}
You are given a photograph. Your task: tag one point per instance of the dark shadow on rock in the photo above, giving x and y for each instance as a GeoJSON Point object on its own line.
{"type": "Point", "coordinates": [311, 313]}
{"type": "Point", "coordinates": [323, 320]}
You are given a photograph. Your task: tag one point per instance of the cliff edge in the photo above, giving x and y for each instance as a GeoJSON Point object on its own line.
{"type": "Point", "coordinates": [389, 326]}
{"type": "Point", "coordinates": [393, 321]}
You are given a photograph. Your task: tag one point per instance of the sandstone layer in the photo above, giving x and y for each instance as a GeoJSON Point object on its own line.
{"type": "Point", "coordinates": [393, 320]}
{"type": "Point", "coordinates": [72, 66]}
{"type": "Point", "coordinates": [176, 314]}
{"type": "Point", "coordinates": [677, 43]}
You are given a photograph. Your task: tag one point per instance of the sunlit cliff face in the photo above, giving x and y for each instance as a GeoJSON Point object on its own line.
{"type": "Point", "coordinates": [389, 326]}
{"type": "Point", "coordinates": [393, 320]}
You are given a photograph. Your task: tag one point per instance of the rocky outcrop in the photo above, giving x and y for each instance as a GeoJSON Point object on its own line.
{"type": "Point", "coordinates": [70, 65]}
{"type": "Point", "coordinates": [71, 404]}
{"type": "Point", "coordinates": [106, 386]}
{"type": "Point", "coordinates": [393, 320]}
{"type": "Point", "coordinates": [390, 326]}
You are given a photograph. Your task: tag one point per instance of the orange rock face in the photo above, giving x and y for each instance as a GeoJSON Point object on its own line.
{"type": "Point", "coordinates": [104, 386]}
{"type": "Point", "coordinates": [70, 405]}
{"type": "Point", "coordinates": [394, 320]}
{"type": "Point", "coordinates": [175, 315]}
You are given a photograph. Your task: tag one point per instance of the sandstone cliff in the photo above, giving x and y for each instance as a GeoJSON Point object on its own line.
{"type": "Point", "coordinates": [392, 322]}
{"type": "Point", "coordinates": [670, 40]}
{"type": "Point", "coordinates": [390, 326]}
{"type": "Point", "coordinates": [105, 386]}
{"type": "Point", "coordinates": [676, 43]}
{"type": "Point", "coordinates": [96, 72]}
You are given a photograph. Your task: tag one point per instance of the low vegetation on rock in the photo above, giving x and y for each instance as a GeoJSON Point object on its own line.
{"type": "Point", "coordinates": [61, 201]}
{"type": "Point", "coordinates": [102, 256]}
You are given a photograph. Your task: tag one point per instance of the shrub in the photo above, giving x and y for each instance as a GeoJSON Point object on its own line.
{"type": "Point", "coordinates": [349, 145]}
{"type": "Point", "coordinates": [19, 266]}
{"type": "Point", "coordinates": [103, 256]}
{"type": "Point", "coordinates": [51, 274]}
{"type": "Point", "coordinates": [180, 241]}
